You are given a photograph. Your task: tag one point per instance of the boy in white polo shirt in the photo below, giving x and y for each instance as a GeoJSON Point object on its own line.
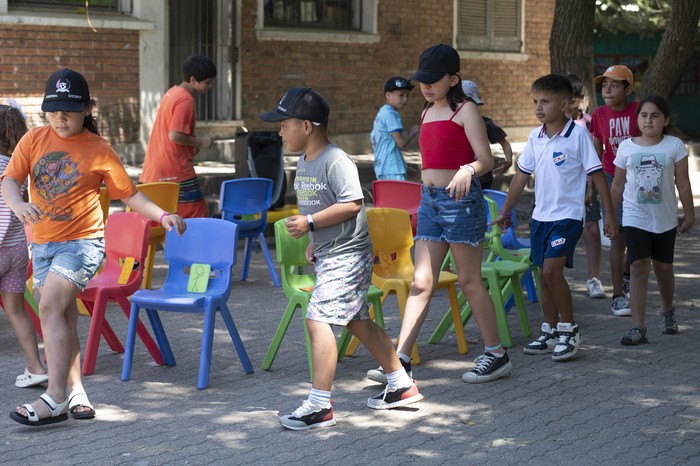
{"type": "Point", "coordinates": [562, 154]}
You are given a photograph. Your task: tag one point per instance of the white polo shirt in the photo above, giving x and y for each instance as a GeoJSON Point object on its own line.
{"type": "Point", "coordinates": [561, 164]}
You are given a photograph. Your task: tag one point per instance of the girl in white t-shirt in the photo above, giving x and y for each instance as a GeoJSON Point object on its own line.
{"type": "Point", "coordinates": [648, 170]}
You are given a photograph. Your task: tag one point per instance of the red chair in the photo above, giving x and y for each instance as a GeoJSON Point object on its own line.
{"type": "Point", "coordinates": [396, 194]}
{"type": "Point", "coordinates": [126, 236]}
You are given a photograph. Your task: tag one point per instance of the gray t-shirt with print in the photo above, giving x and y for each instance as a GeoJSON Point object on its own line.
{"type": "Point", "coordinates": [329, 179]}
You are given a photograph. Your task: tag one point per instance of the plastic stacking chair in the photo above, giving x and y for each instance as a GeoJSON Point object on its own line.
{"type": "Point", "coordinates": [298, 285]}
{"type": "Point", "coordinates": [390, 230]}
{"type": "Point", "coordinates": [165, 195]}
{"type": "Point", "coordinates": [126, 236]}
{"type": "Point", "coordinates": [30, 305]}
{"type": "Point", "coordinates": [245, 202]}
{"type": "Point", "coordinates": [398, 194]}
{"type": "Point", "coordinates": [207, 241]}
{"type": "Point", "coordinates": [512, 242]}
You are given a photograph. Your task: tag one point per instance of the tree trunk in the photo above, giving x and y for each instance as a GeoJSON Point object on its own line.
{"type": "Point", "coordinates": [675, 51]}
{"type": "Point", "coordinates": [571, 42]}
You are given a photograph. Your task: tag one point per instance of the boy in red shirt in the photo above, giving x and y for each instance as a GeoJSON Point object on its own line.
{"type": "Point", "coordinates": [610, 125]}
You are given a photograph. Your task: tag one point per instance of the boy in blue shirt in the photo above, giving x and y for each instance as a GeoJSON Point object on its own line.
{"type": "Point", "coordinates": [387, 134]}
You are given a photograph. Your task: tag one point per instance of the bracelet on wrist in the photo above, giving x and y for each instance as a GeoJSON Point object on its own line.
{"type": "Point", "coordinates": [506, 214]}
{"type": "Point", "coordinates": [469, 168]}
{"type": "Point", "coordinates": [165, 214]}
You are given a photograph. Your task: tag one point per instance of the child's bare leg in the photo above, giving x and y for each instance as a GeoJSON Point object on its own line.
{"type": "Point", "coordinates": [556, 301]}
{"type": "Point", "coordinates": [639, 283]}
{"type": "Point", "coordinates": [617, 263]}
{"type": "Point", "coordinates": [468, 260]}
{"type": "Point", "coordinates": [377, 343]}
{"type": "Point", "coordinates": [429, 256]}
{"type": "Point", "coordinates": [24, 330]}
{"type": "Point", "coordinates": [324, 354]}
{"type": "Point", "coordinates": [666, 282]}
{"type": "Point", "coordinates": [591, 237]}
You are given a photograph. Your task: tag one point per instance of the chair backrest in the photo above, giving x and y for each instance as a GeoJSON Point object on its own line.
{"type": "Point", "coordinates": [207, 241]}
{"type": "Point", "coordinates": [126, 235]}
{"type": "Point", "coordinates": [291, 254]}
{"type": "Point", "coordinates": [265, 158]}
{"type": "Point", "coordinates": [163, 193]}
{"type": "Point", "coordinates": [397, 194]}
{"type": "Point", "coordinates": [494, 237]}
{"type": "Point", "coordinates": [508, 237]}
{"type": "Point", "coordinates": [246, 201]}
{"type": "Point", "coordinates": [392, 239]}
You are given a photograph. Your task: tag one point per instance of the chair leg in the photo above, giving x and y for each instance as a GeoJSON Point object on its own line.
{"type": "Point", "coordinates": [246, 257]}
{"type": "Point", "coordinates": [348, 343]}
{"type": "Point", "coordinates": [457, 319]}
{"type": "Point", "coordinates": [33, 310]}
{"type": "Point", "coordinates": [236, 338]}
{"type": "Point", "coordinates": [161, 337]}
{"type": "Point", "coordinates": [130, 340]}
{"type": "Point", "coordinates": [148, 267]}
{"type": "Point", "coordinates": [97, 313]}
{"type": "Point", "coordinates": [520, 308]}
{"type": "Point", "coordinates": [495, 291]}
{"type": "Point", "coordinates": [268, 259]}
{"type": "Point", "coordinates": [280, 332]}
{"type": "Point", "coordinates": [142, 332]}
{"type": "Point", "coordinates": [207, 344]}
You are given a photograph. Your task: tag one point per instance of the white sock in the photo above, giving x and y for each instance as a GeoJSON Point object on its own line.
{"type": "Point", "coordinates": [404, 357]}
{"type": "Point", "coordinates": [320, 397]}
{"type": "Point", "coordinates": [398, 379]}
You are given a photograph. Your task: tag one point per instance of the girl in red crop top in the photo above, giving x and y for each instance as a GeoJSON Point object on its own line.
{"type": "Point", "coordinates": [452, 215]}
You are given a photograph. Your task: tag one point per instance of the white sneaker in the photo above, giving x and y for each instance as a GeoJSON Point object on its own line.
{"type": "Point", "coordinates": [595, 288]}
{"type": "Point", "coordinates": [569, 341]}
{"type": "Point", "coordinates": [545, 343]}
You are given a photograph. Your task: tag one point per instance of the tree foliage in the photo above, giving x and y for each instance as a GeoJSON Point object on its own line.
{"type": "Point", "coordinates": [640, 17]}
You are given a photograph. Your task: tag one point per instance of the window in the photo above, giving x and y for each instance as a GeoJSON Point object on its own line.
{"type": "Point", "coordinates": [489, 25]}
{"type": "Point", "coordinates": [102, 5]}
{"type": "Point", "coordinates": [314, 14]}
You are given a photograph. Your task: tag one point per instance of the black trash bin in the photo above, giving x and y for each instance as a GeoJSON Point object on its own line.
{"type": "Point", "coordinates": [264, 156]}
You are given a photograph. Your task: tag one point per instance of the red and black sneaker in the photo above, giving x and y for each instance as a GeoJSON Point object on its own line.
{"type": "Point", "coordinates": [308, 416]}
{"type": "Point", "coordinates": [394, 398]}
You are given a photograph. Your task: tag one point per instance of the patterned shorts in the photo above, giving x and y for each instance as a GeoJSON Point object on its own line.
{"type": "Point", "coordinates": [13, 268]}
{"type": "Point", "coordinates": [340, 294]}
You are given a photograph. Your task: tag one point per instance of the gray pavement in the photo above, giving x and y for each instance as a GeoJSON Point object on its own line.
{"type": "Point", "coordinates": [612, 405]}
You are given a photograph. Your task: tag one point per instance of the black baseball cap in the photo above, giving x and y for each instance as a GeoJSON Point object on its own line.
{"type": "Point", "coordinates": [66, 91]}
{"type": "Point", "coordinates": [300, 102]}
{"type": "Point", "coordinates": [435, 62]}
{"type": "Point", "coordinates": [397, 83]}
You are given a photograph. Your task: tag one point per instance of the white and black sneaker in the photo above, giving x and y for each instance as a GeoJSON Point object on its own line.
{"type": "Point", "coordinates": [309, 416]}
{"type": "Point", "coordinates": [621, 306]}
{"type": "Point", "coordinates": [545, 343]}
{"type": "Point", "coordinates": [378, 375]}
{"type": "Point", "coordinates": [569, 341]}
{"type": "Point", "coordinates": [488, 367]}
{"type": "Point", "coordinates": [395, 398]}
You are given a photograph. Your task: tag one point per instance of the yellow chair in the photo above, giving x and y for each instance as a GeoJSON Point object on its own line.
{"type": "Point", "coordinates": [165, 195]}
{"type": "Point", "coordinates": [392, 239]}
{"type": "Point", "coordinates": [104, 202]}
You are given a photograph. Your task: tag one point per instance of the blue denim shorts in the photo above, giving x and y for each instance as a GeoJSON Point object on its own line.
{"type": "Point", "coordinates": [442, 219]}
{"type": "Point", "coordinates": [76, 261]}
{"type": "Point", "coordinates": [549, 240]}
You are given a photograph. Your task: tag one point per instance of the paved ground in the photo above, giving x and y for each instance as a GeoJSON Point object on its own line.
{"type": "Point", "coordinates": [611, 405]}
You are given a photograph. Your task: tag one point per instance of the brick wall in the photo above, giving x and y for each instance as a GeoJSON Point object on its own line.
{"type": "Point", "coordinates": [351, 75]}
{"type": "Point", "coordinates": [109, 60]}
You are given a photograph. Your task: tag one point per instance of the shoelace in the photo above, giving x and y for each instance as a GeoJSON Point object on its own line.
{"type": "Point", "coordinates": [483, 362]}
{"type": "Point", "coordinates": [306, 408]}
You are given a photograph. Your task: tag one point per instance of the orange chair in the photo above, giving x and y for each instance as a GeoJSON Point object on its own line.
{"type": "Point", "coordinates": [126, 236]}
{"type": "Point", "coordinates": [398, 195]}
{"type": "Point", "coordinates": [165, 195]}
{"type": "Point", "coordinates": [390, 231]}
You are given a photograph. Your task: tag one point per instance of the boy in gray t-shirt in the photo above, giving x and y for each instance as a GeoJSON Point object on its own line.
{"type": "Point", "coordinates": [332, 211]}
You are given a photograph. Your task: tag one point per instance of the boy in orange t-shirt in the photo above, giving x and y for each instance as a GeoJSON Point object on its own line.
{"type": "Point", "coordinates": [173, 144]}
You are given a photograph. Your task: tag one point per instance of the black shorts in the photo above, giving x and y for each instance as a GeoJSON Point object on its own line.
{"type": "Point", "coordinates": [642, 244]}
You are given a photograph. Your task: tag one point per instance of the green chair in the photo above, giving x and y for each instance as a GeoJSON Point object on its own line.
{"type": "Point", "coordinates": [502, 279]}
{"type": "Point", "coordinates": [298, 287]}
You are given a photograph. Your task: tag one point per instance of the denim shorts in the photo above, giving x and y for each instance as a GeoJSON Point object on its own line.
{"type": "Point", "coordinates": [442, 219]}
{"type": "Point", "coordinates": [76, 261]}
{"type": "Point", "coordinates": [549, 240]}
{"type": "Point", "coordinates": [340, 293]}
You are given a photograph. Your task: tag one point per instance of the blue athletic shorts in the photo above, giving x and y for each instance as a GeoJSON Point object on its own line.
{"type": "Point", "coordinates": [76, 261]}
{"type": "Point", "coordinates": [549, 240]}
{"type": "Point", "coordinates": [442, 219]}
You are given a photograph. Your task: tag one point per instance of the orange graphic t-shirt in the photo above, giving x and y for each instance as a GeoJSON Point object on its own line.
{"type": "Point", "coordinates": [165, 160]}
{"type": "Point", "coordinates": [66, 175]}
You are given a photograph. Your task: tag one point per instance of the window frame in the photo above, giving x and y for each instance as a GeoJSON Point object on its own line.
{"type": "Point", "coordinates": [491, 41]}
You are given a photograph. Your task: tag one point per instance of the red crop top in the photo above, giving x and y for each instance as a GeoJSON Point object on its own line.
{"type": "Point", "coordinates": [443, 144]}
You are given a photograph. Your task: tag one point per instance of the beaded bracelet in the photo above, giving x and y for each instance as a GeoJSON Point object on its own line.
{"type": "Point", "coordinates": [163, 216]}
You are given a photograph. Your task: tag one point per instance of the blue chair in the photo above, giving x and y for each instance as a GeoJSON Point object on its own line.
{"type": "Point", "coordinates": [245, 202]}
{"type": "Point", "coordinates": [207, 241]}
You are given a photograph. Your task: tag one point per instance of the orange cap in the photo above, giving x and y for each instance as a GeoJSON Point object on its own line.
{"type": "Point", "coordinates": [616, 73]}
